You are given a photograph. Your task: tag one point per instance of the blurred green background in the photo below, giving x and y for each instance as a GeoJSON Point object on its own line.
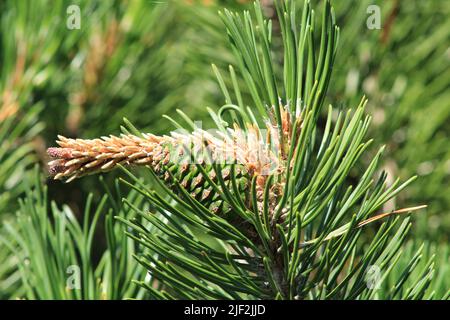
{"type": "Point", "coordinates": [143, 59]}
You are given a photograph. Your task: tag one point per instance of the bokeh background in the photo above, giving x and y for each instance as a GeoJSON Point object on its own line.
{"type": "Point", "coordinates": [141, 59]}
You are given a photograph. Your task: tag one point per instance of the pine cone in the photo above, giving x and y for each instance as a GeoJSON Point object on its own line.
{"type": "Point", "coordinates": [175, 157]}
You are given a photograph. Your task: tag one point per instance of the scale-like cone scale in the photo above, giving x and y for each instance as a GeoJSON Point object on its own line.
{"type": "Point", "coordinates": [175, 160]}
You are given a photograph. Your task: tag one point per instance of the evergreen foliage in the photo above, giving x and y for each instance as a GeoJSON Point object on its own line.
{"type": "Point", "coordinates": [328, 221]}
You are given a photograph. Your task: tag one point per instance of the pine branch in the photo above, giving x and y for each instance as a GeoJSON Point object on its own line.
{"type": "Point", "coordinates": [252, 246]}
{"type": "Point", "coordinates": [402, 93]}
{"type": "Point", "coordinates": [54, 259]}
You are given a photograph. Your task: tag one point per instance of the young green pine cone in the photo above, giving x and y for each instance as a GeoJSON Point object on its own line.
{"type": "Point", "coordinates": [176, 157]}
